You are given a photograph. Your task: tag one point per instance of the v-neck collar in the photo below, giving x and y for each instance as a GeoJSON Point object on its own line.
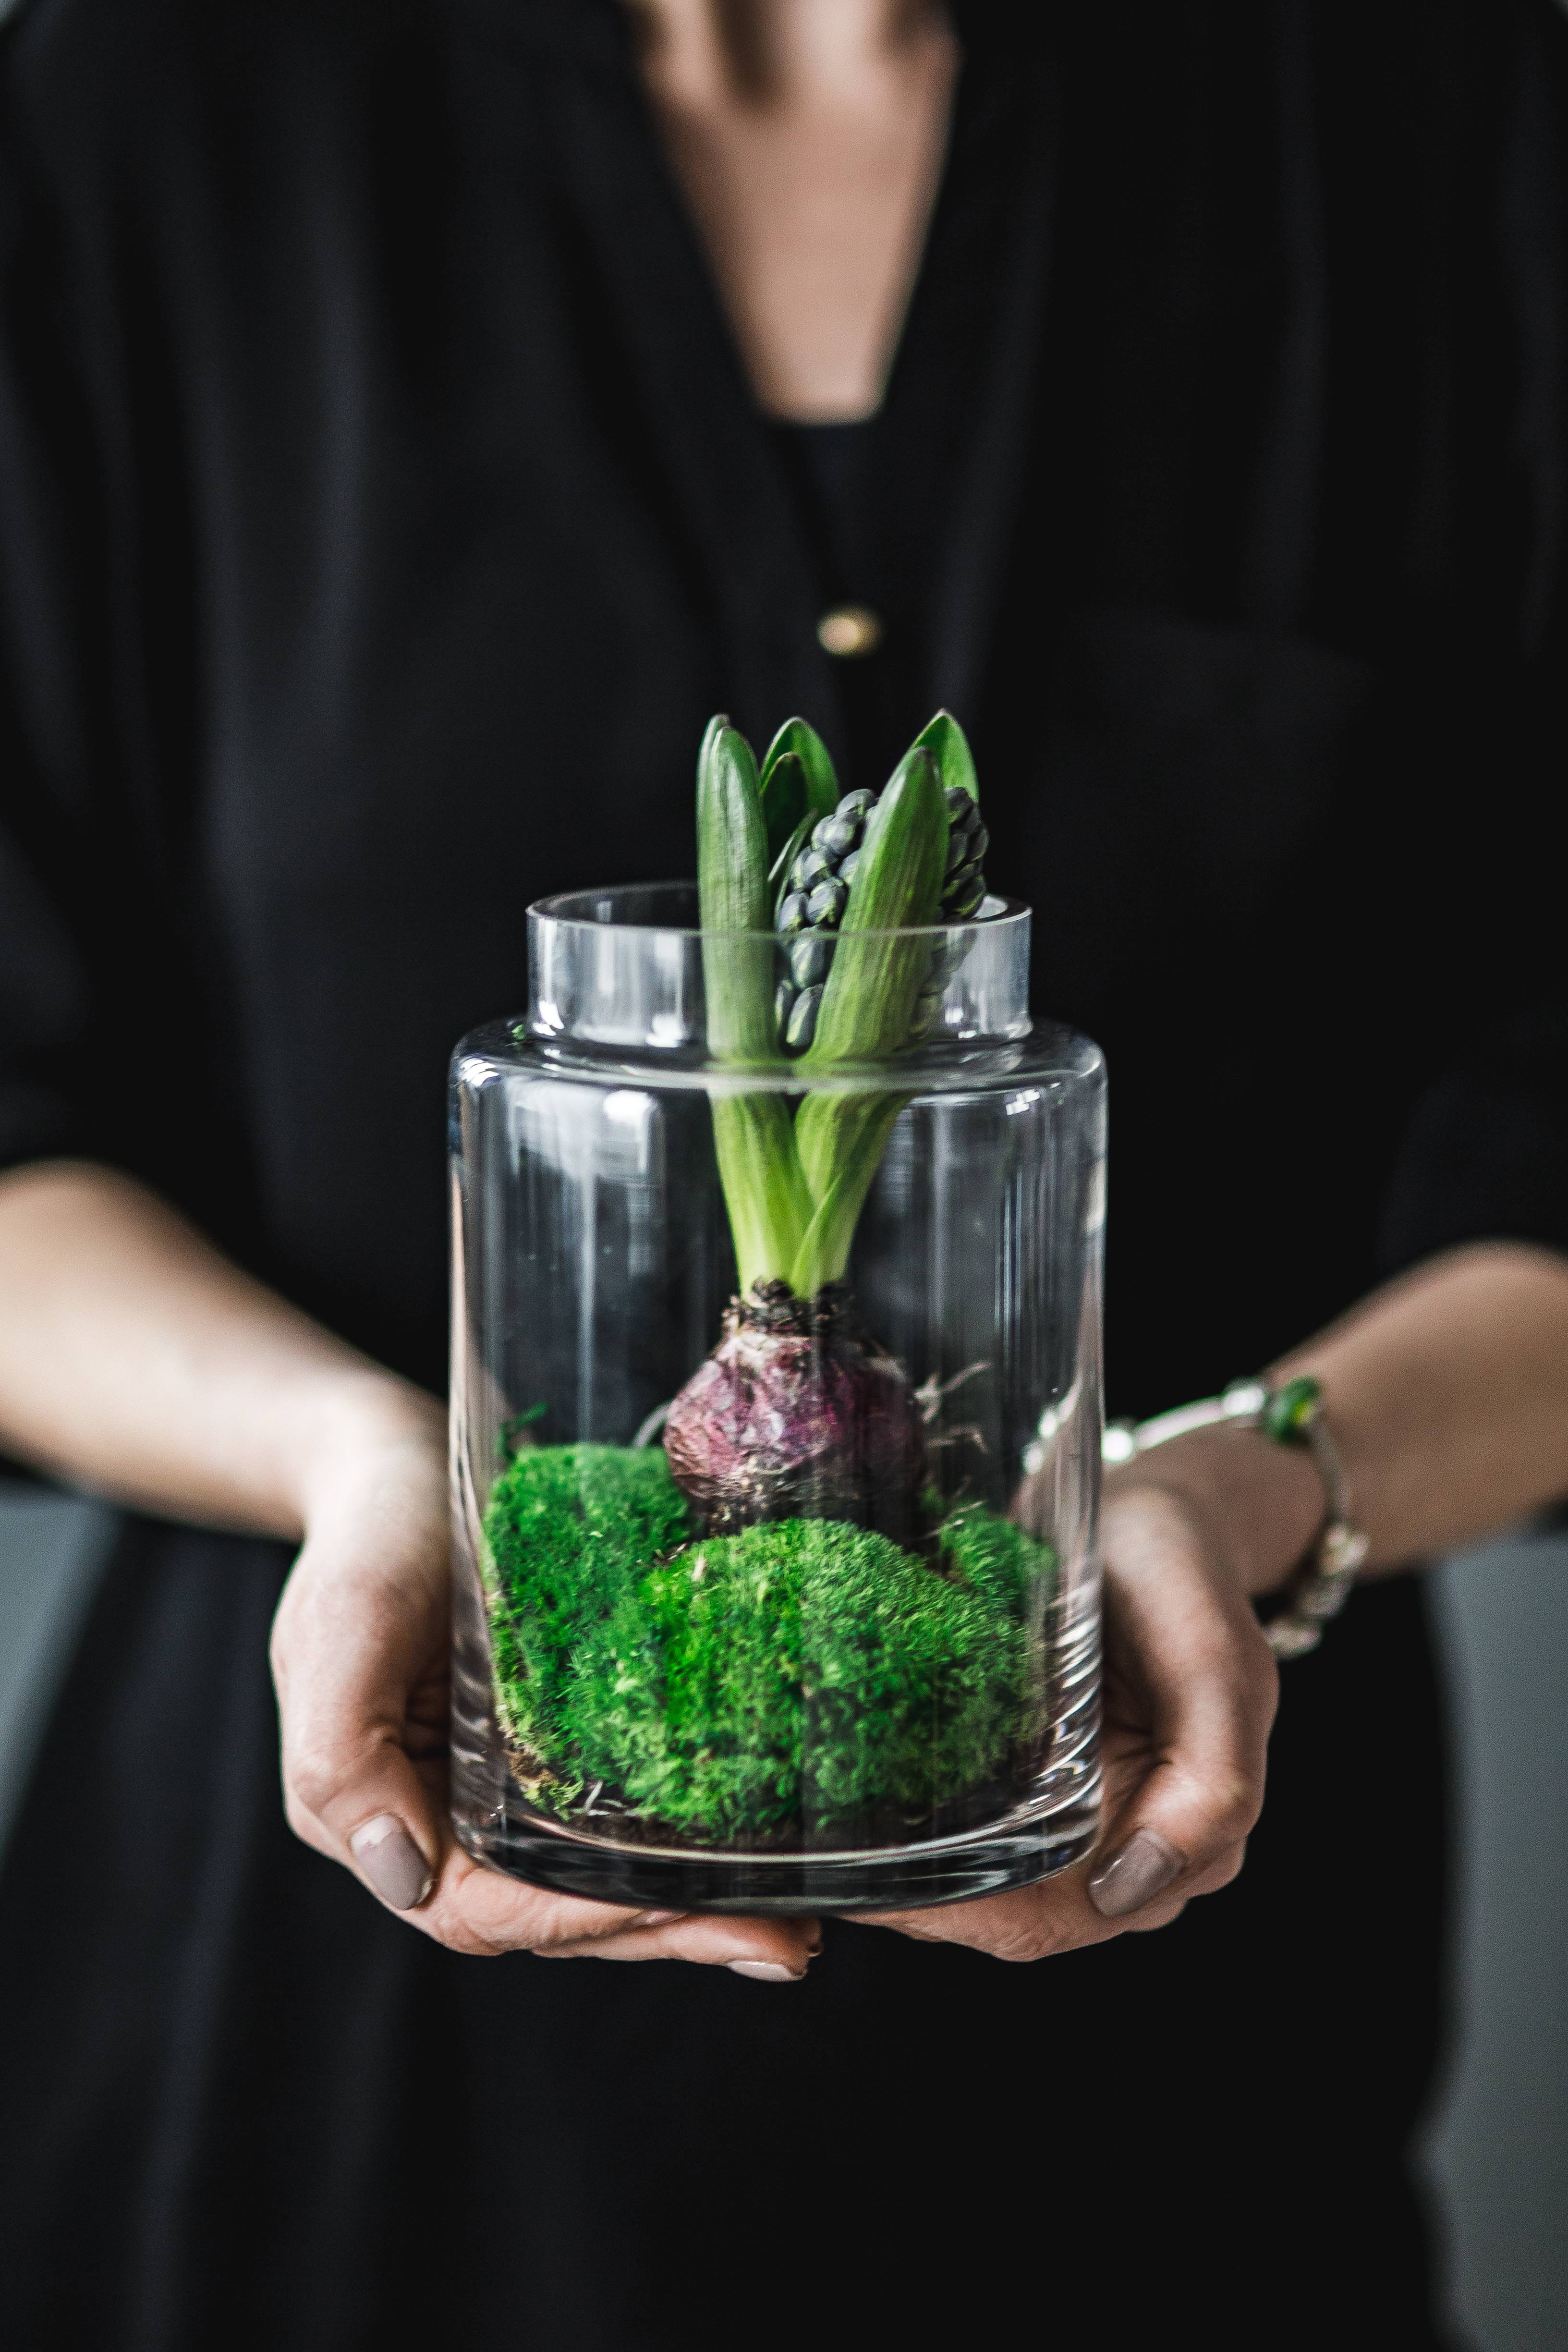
{"type": "Point", "coordinates": [962, 375]}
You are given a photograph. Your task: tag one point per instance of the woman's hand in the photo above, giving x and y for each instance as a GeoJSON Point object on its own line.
{"type": "Point", "coordinates": [1189, 1695]}
{"type": "Point", "coordinates": [359, 1655]}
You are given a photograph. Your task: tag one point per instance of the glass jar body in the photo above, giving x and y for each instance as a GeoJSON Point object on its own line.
{"type": "Point", "coordinates": [789, 1603]}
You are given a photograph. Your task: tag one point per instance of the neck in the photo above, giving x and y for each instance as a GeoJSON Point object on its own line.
{"type": "Point", "coordinates": [776, 52]}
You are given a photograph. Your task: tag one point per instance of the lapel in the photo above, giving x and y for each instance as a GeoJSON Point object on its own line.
{"type": "Point", "coordinates": [966, 388]}
{"type": "Point", "coordinates": [689, 398]}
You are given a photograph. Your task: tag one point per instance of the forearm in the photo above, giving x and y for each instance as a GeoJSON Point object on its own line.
{"type": "Point", "coordinates": [1447, 1394]}
{"type": "Point", "coordinates": [138, 1361]}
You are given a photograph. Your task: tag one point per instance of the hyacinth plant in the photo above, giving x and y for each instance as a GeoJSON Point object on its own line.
{"type": "Point", "coordinates": [771, 1629]}
{"type": "Point", "coordinates": [795, 1409]}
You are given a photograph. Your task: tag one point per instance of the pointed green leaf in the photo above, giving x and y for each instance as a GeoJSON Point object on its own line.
{"type": "Point", "coordinates": [950, 746]}
{"type": "Point", "coordinates": [799, 739]}
{"type": "Point", "coordinates": [784, 808]}
{"type": "Point", "coordinates": [732, 896]}
{"type": "Point", "coordinates": [754, 1140]}
{"type": "Point", "coordinates": [869, 999]}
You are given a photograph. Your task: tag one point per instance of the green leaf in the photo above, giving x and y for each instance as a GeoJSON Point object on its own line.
{"type": "Point", "coordinates": [732, 897]}
{"type": "Point", "coordinates": [799, 739]}
{"type": "Point", "coordinates": [764, 1190]}
{"type": "Point", "coordinates": [869, 1000]}
{"type": "Point", "coordinates": [778, 873]}
{"type": "Point", "coordinates": [949, 747]}
{"type": "Point", "coordinates": [754, 1140]}
{"type": "Point", "coordinates": [784, 798]}
{"type": "Point", "coordinates": [840, 1137]}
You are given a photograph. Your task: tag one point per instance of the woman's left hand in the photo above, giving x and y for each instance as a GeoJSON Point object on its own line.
{"type": "Point", "coordinates": [1189, 1695]}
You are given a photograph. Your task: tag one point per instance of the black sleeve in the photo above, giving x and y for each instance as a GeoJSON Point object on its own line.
{"type": "Point", "coordinates": [83, 787]}
{"type": "Point", "coordinates": [1485, 1156]}
{"type": "Point", "coordinates": [53, 698]}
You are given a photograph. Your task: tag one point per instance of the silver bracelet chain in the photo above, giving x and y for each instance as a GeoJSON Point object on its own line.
{"type": "Point", "coordinates": [1292, 1414]}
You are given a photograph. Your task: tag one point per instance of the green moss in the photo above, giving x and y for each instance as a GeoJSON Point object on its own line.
{"type": "Point", "coordinates": [802, 1677]}
{"type": "Point", "coordinates": [568, 1531]}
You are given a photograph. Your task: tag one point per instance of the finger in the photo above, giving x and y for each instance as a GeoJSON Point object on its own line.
{"type": "Point", "coordinates": [1167, 1907]}
{"type": "Point", "coordinates": [348, 1653]}
{"type": "Point", "coordinates": [1029, 1923]}
{"type": "Point", "coordinates": [1205, 1690]}
{"type": "Point", "coordinates": [484, 1912]}
{"type": "Point", "coordinates": [773, 1950]}
{"type": "Point", "coordinates": [1196, 1650]}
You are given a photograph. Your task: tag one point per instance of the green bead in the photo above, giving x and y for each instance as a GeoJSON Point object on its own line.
{"type": "Point", "coordinates": [827, 903]}
{"type": "Point", "coordinates": [1292, 1409]}
{"type": "Point", "coordinates": [783, 1005]}
{"type": "Point", "coordinates": [801, 1026]}
{"type": "Point", "coordinates": [811, 955]}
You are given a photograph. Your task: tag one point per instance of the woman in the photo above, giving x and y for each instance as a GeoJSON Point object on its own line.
{"type": "Point", "coordinates": [417, 418]}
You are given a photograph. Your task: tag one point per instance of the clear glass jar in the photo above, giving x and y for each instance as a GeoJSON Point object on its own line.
{"type": "Point", "coordinates": [852, 1659]}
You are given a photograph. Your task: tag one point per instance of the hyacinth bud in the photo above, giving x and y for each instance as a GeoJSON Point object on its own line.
{"type": "Point", "coordinates": [821, 865]}
{"type": "Point", "coordinates": [810, 957]}
{"type": "Point", "coordinates": [783, 1005]}
{"type": "Point", "coordinates": [836, 836]}
{"type": "Point", "coordinates": [801, 1026]}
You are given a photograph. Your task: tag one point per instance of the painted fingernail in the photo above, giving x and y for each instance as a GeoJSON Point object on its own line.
{"type": "Point", "coordinates": [765, 1971]}
{"type": "Point", "coordinates": [1134, 1874]}
{"type": "Point", "coordinates": [393, 1864]}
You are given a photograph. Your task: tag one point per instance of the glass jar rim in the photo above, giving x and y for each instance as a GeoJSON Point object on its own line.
{"type": "Point", "coordinates": [570, 910]}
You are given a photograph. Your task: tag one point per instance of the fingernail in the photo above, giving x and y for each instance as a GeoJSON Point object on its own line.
{"type": "Point", "coordinates": [765, 1971]}
{"type": "Point", "coordinates": [656, 1918]}
{"type": "Point", "coordinates": [391, 1862]}
{"type": "Point", "coordinates": [1134, 1874]}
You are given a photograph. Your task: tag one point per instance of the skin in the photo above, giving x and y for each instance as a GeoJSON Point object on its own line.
{"type": "Point", "coordinates": [807, 136]}
{"type": "Point", "coordinates": [136, 1362]}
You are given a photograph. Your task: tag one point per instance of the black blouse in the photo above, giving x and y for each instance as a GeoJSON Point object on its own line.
{"type": "Point", "coordinates": [383, 511]}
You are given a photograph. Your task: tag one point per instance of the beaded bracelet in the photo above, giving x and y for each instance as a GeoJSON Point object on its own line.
{"type": "Point", "coordinates": [1291, 1414]}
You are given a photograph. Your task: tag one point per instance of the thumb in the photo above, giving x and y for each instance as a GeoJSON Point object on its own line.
{"type": "Point", "coordinates": [1188, 1638]}
{"type": "Point", "coordinates": [352, 1656]}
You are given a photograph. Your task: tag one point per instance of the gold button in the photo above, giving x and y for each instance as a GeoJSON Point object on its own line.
{"type": "Point", "coordinates": [849, 631]}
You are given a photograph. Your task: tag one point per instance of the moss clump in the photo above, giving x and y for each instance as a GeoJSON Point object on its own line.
{"type": "Point", "coordinates": [799, 1679]}
{"type": "Point", "coordinates": [569, 1532]}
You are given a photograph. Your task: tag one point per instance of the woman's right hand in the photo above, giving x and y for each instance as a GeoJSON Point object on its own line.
{"type": "Point", "coordinates": [360, 1660]}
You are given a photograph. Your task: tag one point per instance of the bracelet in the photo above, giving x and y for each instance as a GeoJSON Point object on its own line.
{"type": "Point", "coordinates": [1291, 1414]}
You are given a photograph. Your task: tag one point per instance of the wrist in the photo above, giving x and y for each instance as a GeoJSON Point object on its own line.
{"type": "Point", "coordinates": [1257, 1506]}
{"type": "Point", "coordinates": [352, 1422]}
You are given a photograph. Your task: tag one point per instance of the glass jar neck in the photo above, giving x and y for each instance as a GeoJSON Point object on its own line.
{"type": "Point", "coordinates": [624, 970]}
